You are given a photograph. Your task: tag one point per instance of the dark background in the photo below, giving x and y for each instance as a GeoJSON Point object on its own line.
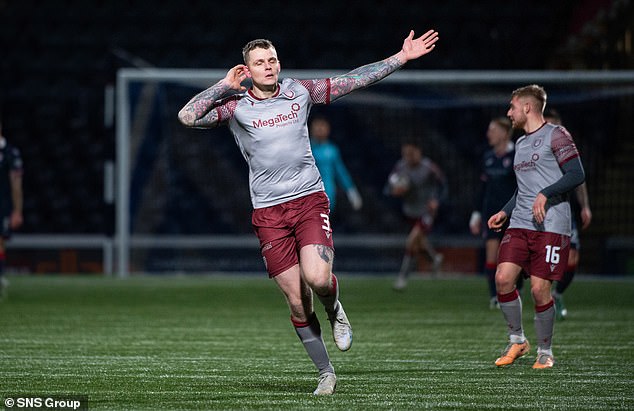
{"type": "Point", "coordinates": [57, 57]}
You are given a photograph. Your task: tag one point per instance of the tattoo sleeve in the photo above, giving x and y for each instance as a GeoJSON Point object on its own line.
{"type": "Point", "coordinates": [362, 77]}
{"type": "Point", "coordinates": [325, 253]}
{"type": "Point", "coordinates": [199, 111]}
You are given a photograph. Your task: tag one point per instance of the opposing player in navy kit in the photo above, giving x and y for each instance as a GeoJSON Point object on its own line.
{"type": "Point", "coordinates": [547, 167]}
{"type": "Point", "coordinates": [498, 185]}
{"type": "Point", "coordinates": [291, 210]}
{"type": "Point", "coordinates": [10, 199]}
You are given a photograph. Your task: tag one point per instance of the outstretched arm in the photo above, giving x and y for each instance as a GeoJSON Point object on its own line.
{"type": "Point", "coordinates": [373, 72]}
{"type": "Point", "coordinates": [198, 112]}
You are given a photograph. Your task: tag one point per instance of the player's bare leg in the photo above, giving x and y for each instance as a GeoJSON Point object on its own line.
{"type": "Point", "coordinates": [412, 252]}
{"type": "Point", "coordinates": [299, 297]}
{"type": "Point", "coordinates": [434, 256]}
{"type": "Point", "coordinates": [316, 266]}
{"type": "Point", "coordinates": [511, 306]}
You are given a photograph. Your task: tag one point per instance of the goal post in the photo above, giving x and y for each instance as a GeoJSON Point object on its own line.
{"type": "Point", "coordinates": [408, 101]}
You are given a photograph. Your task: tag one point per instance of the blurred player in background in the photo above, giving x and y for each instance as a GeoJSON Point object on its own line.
{"type": "Point", "coordinates": [10, 199]}
{"type": "Point", "coordinates": [422, 186]}
{"type": "Point", "coordinates": [291, 209]}
{"type": "Point", "coordinates": [498, 185]}
{"type": "Point", "coordinates": [537, 241]}
{"type": "Point", "coordinates": [580, 205]}
{"type": "Point", "coordinates": [331, 167]}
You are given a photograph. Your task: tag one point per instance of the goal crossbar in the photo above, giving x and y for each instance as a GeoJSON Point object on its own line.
{"type": "Point", "coordinates": [203, 77]}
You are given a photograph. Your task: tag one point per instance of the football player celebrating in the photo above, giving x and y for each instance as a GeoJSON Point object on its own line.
{"type": "Point", "coordinates": [291, 210]}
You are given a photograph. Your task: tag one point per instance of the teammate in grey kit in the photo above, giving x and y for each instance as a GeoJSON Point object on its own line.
{"type": "Point", "coordinates": [422, 186]}
{"type": "Point", "coordinates": [291, 210]}
{"type": "Point", "coordinates": [547, 167]}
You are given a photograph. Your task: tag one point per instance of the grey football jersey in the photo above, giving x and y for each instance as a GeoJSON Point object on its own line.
{"type": "Point", "coordinates": [272, 135]}
{"type": "Point", "coordinates": [425, 183]}
{"type": "Point", "coordinates": [538, 160]}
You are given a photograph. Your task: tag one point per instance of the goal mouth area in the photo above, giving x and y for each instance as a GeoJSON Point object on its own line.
{"type": "Point", "coordinates": [176, 181]}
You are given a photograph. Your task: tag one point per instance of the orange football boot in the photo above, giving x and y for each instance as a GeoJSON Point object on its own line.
{"type": "Point", "coordinates": [512, 352]}
{"type": "Point", "coordinates": [543, 361]}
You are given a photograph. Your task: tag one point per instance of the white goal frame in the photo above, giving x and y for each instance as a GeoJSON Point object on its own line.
{"type": "Point", "coordinates": [202, 78]}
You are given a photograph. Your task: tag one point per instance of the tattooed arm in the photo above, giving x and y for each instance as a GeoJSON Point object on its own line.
{"type": "Point", "coordinates": [371, 73]}
{"type": "Point", "coordinates": [199, 111]}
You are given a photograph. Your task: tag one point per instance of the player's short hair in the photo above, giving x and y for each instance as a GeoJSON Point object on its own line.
{"type": "Point", "coordinates": [534, 91]}
{"type": "Point", "coordinates": [503, 122]}
{"type": "Point", "coordinates": [256, 44]}
{"type": "Point", "coordinates": [414, 141]}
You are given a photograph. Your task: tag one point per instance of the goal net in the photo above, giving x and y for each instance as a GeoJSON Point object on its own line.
{"type": "Point", "coordinates": [182, 194]}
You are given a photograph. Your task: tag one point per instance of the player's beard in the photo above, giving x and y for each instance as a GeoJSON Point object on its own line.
{"type": "Point", "coordinates": [518, 124]}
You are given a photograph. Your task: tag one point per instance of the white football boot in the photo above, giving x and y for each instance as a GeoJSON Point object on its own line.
{"type": "Point", "coordinates": [327, 384]}
{"type": "Point", "coordinates": [341, 329]}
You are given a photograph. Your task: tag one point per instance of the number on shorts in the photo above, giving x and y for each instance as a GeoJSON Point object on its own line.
{"type": "Point", "coordinates": [552, 254]}
{"type": "Point", "coordinates": [326, 225]}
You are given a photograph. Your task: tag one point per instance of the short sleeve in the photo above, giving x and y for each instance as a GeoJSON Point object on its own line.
{"type": "Point", "coordinates": [226, 107]}
{"type": "Point", "coordinates": [563, 146]}
{"type": "Point", "coordinates": [319, 90]}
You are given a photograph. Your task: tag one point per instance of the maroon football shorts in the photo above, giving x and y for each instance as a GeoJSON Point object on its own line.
{"type": "Point", "coordinates": [424, 222]}
{"type": "Point", "coordinates": [285, 228]}
{"type": "Point", "coordinates": [539, 253]}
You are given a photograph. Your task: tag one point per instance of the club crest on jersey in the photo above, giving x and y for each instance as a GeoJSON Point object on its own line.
{"type": "Point", "coordinates": [538, 142]}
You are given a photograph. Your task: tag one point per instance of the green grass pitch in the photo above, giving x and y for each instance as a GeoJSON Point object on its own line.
{"type": "Point", "coordinates": [226, 342]}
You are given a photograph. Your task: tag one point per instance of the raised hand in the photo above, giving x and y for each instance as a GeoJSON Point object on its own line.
{"type": "Point", "coordinates": [235, 76]}
{"type": "Point", "coordinates": [415, 48]}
